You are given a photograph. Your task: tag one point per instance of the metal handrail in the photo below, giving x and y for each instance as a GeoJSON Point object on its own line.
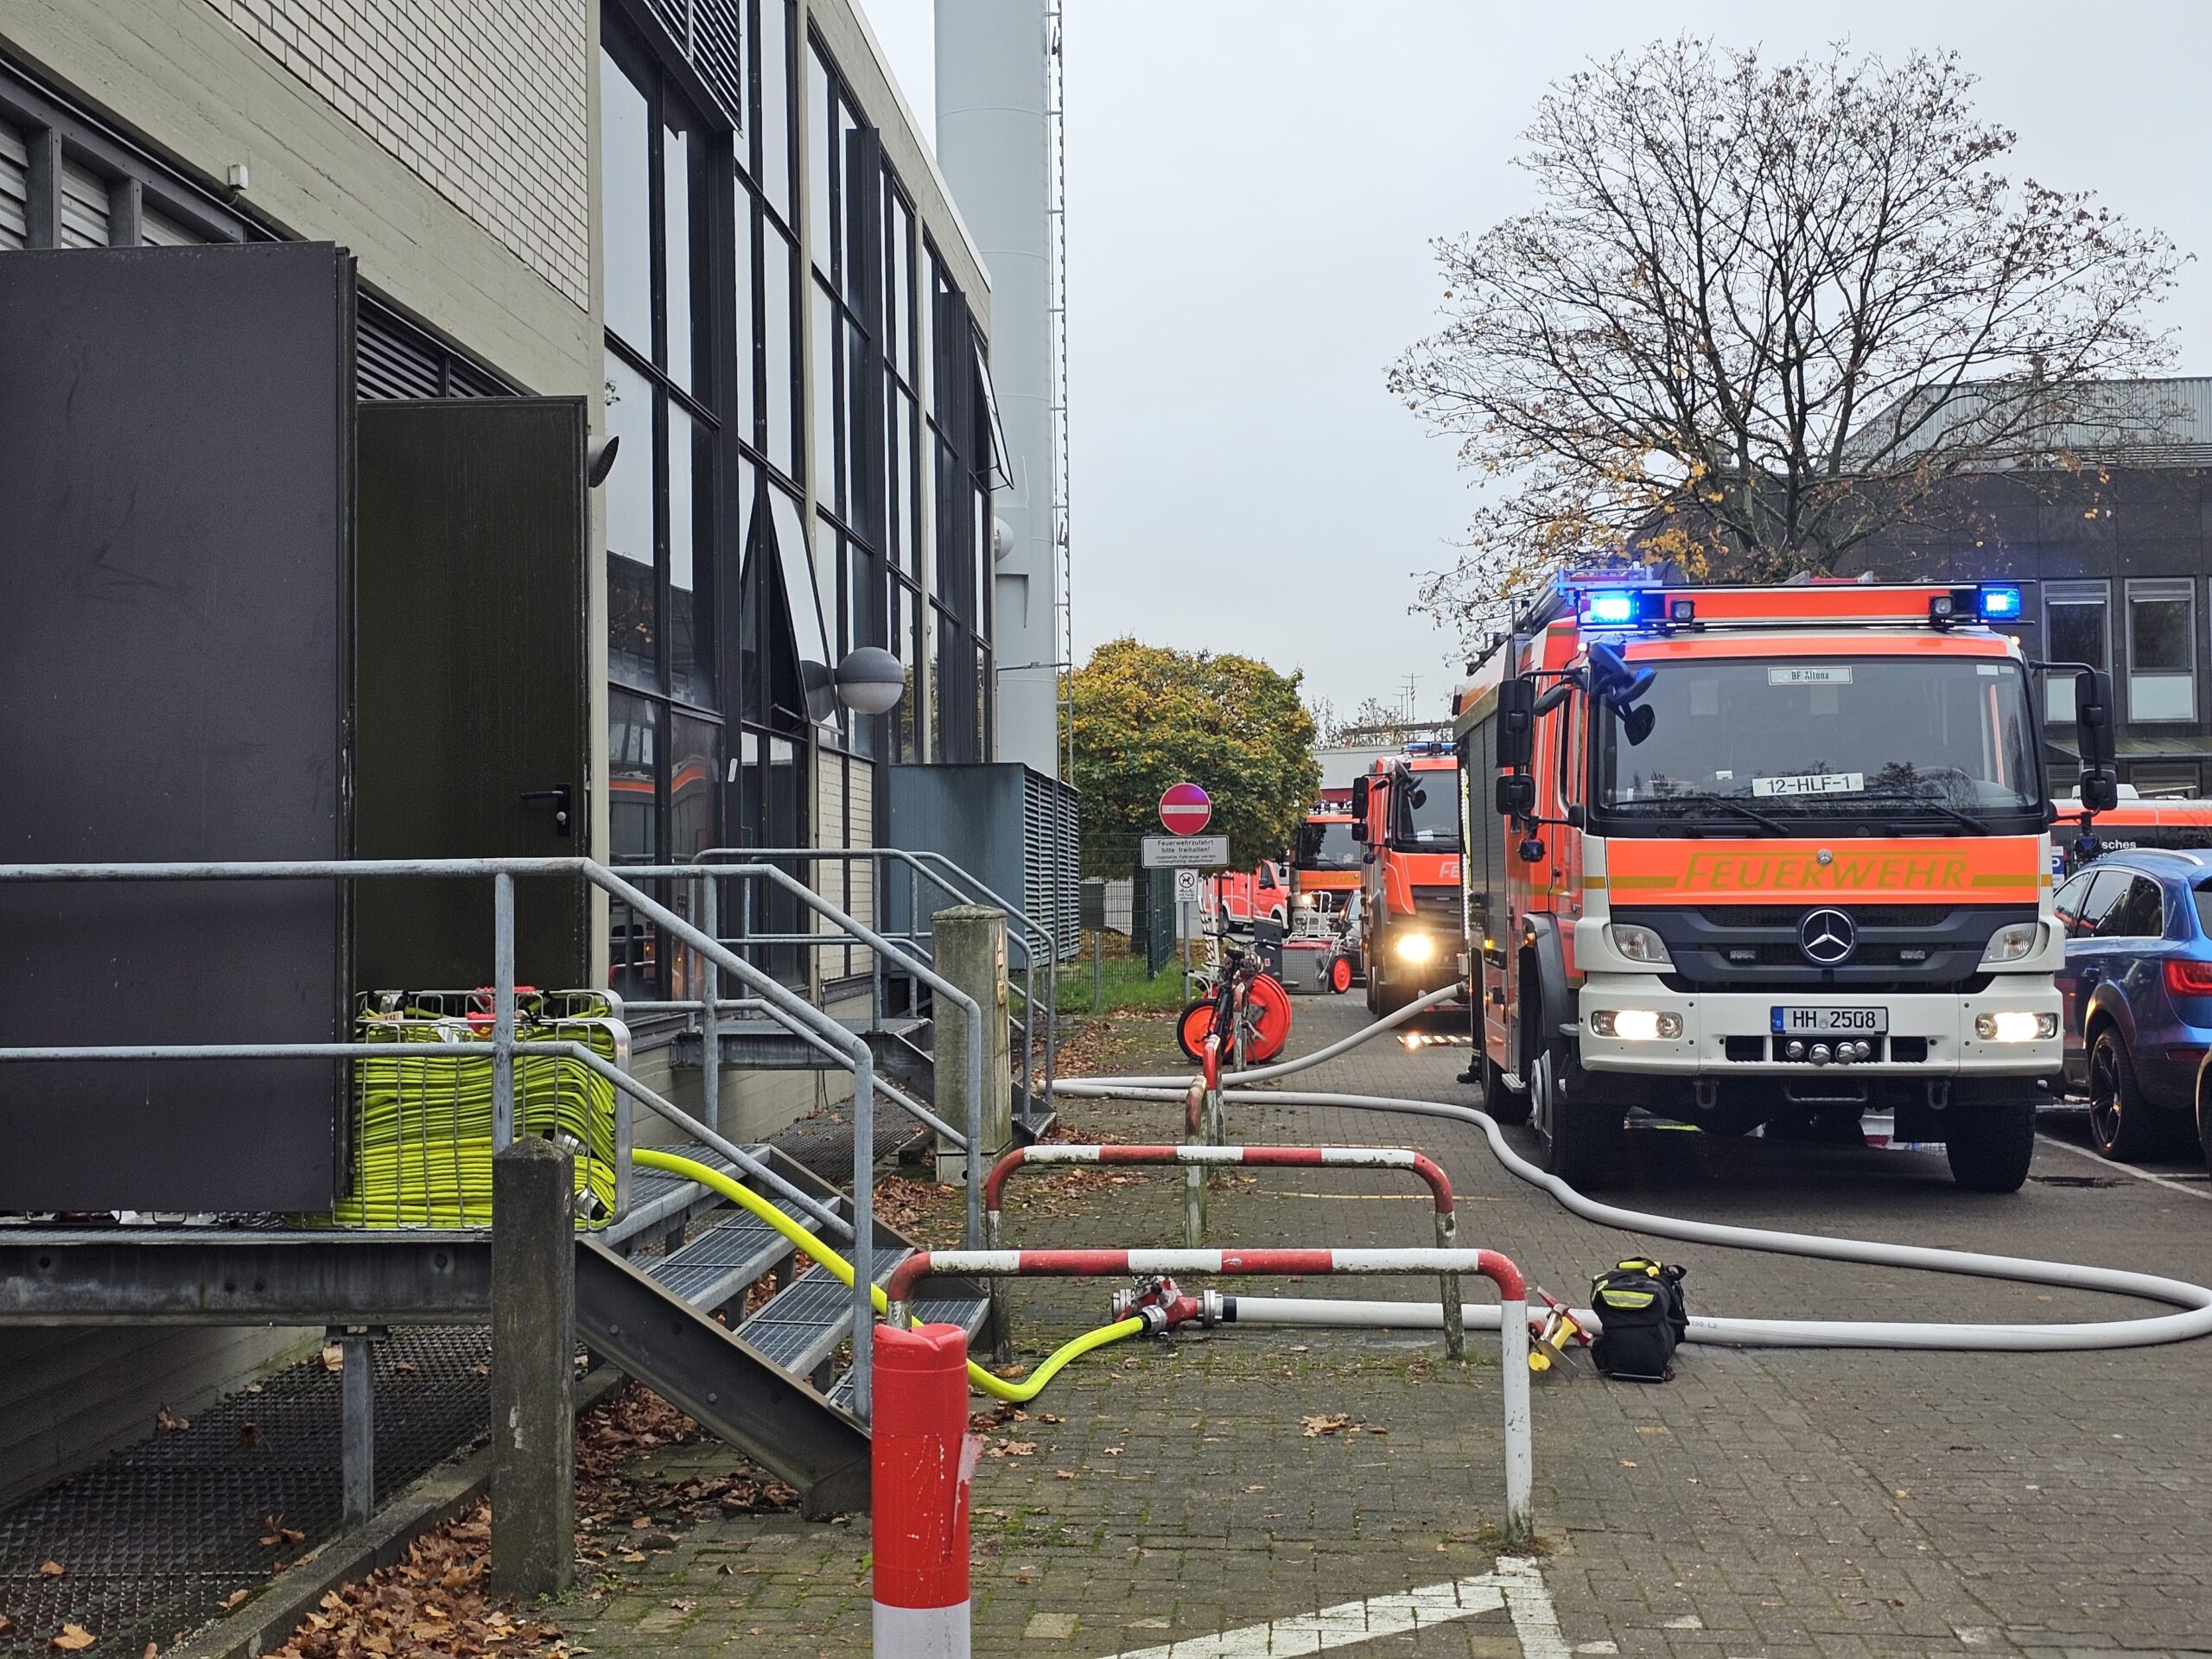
{"type": "Point", "coordinates": [975, 891]}
{"type": "Point", "coordinates": [885, 951]}
{"type": "Point", "coordinates": [779, 999]}
{"type": "Point", "coordinates": [891, 1091]}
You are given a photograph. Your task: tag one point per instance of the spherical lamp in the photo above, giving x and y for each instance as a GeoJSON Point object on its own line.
{"type": "Point", "coordinates": [870, 681]}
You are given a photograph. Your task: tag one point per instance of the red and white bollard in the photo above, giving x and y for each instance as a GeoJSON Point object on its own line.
{"type": "Point", "coordinates": [921, 1460]}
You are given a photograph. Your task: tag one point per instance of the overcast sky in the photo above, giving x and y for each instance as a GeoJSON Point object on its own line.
{"type": "Point", "coordinates": [1252, 187]}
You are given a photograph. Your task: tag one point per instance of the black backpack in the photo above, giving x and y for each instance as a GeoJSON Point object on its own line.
{"type": "Point", "coordinates": [1639, 1304]}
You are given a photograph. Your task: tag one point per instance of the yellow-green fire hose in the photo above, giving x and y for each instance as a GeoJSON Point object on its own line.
{"type": "Point", "coordinates": [744, 1197]}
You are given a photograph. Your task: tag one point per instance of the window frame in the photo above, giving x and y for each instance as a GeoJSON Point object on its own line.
{"type": "Point", "coordinates": [2162, 590]}
{"type": "Point", "coordinates": [2059, 689]}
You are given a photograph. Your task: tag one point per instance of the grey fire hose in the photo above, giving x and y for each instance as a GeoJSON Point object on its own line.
{"type": "Point", "coordinates": [2144, 1330]}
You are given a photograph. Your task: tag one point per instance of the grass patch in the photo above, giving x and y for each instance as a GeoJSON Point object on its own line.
{"type": "Point", "coordinates": [1122, 984]}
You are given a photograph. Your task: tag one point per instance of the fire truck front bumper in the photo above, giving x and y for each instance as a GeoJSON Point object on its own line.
{"type": "Point", "coordinates": [1633, 1023]}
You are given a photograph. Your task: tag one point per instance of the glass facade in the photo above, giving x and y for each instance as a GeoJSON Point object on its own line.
{"type": "Point", "coordinates": [792, 375]}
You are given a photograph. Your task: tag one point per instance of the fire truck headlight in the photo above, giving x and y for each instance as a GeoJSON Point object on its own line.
{"type": "Point", "coordinates": [2013, 943]}
{"type": "Point", "coordinates": [2015, 1028]}
{"type": "Point", "coordinates": [1640, 944]}
{"type": "Point", "coordinates": [1414, 947]}
{"type": "Point", "coordinates": [1635, 1025]}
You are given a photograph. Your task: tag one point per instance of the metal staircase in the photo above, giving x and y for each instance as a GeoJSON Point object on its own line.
{"type": "Point", "coordinates": [771, 1382]}
{"type": "Point", "coordinates": [660, 1290]}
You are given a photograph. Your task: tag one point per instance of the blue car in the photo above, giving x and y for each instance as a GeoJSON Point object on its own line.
{"type": "Point", "coordinates": [2138, 990]}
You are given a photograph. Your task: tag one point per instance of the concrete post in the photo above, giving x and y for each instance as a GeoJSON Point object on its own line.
{"type": "Point", "coordinates": [533, 1370]}
{"type": "Point", "coordinates": [971, 953]}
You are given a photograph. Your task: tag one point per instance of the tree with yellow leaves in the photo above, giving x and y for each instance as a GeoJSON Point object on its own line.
{"type": "Point", "coordinates": [1148, 717]}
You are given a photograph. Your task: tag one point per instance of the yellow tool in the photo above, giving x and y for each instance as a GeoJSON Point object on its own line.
{"type": "Point", "coordinates": [1548, 1338]}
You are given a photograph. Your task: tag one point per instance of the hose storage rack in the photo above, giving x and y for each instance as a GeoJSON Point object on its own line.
{"type": "Point", "coordinates": [419, 1128]}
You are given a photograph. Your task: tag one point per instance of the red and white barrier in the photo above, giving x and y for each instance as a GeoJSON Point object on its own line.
{"type": "Point", "coordinates": [920, 1460]}
{"type": "Point", "coordinates": [1197, 1157]}
{"type": "Point", "coordinates": [1513, 1312]}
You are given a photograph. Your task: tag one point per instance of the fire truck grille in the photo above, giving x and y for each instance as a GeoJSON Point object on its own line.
{"type": "Point", "coordinates": [1895, 947]}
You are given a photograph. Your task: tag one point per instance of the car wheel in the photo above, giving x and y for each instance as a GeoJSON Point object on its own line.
{"type": "Point", "coordinates": [2122, 1124]}
{"type": "Point", "coordinates": [1990, 1146]}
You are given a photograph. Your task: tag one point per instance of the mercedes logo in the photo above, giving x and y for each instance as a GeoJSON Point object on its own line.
{"type": "Point", "coordinates": [1827, 937]}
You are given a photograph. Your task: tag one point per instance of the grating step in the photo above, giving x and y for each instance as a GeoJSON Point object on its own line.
{"type": "Point", "coordinates": [714, 1268]}
{"type": "Point", "coordinates": [800, 1326]}
{"type": "Point", "coordinates": [968, 1311]}
{"type": "Point", "coordinates": [659, 1196]}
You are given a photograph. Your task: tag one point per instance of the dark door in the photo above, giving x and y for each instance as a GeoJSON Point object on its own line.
{"type": "Point", "coordinates": [474, 702]}
{"type": "Point", "coordinates": [175, 446]}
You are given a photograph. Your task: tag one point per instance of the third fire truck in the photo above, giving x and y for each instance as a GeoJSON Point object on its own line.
{"type": "Point", "coordinates": [1768, 855]}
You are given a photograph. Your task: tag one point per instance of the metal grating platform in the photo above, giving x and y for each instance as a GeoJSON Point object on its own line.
{"type": "Point", "coordinates": [153, 1539]}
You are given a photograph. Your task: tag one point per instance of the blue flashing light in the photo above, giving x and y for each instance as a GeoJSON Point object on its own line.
{"type": "Point", "coordinates": [1610, 609]}
{"type": "Point", "coordinates": [2000, 603]}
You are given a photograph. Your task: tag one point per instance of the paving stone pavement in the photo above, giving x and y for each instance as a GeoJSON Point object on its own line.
{"type": "Point", "coordinates": [1778, 1502]}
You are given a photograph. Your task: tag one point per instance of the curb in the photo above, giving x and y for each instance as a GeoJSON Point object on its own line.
{"type": "Point", "coordinates": [267, 1621]}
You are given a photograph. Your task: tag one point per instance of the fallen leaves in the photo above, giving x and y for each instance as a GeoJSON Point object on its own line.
{"type": "Point", "coordinates": [334, 1357]}
{"type": "Point", "coordinates": [1012, 1449]}
{"type": "Point", "coordinates": [51, 1569]}
{"type": "Point", "coordinates": [72, 1638]}
{"type": "Point", "coordinates": [1063, 1474]}
{"type": "Point", "coordinates": [278, 1533]}
{"type": "Point", "coordinates": [433, 1602]}
{"type": "Point", "coordinates": [234, 1599]}
{"type": "Point", "coordinates": [614, 1434]}
{"type": "Point", "coordinates": [168, 1422]}
{"type": "Point", "coordinates": [1332, 1423]}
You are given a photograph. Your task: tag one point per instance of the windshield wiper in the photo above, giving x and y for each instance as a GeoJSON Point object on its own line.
{"type": "Point", "coordinates": [1728, 803]}
{"type": "Point", "coordinates": [1978, 825]}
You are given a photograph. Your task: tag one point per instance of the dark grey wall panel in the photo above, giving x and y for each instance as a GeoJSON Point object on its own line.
{"type": "Point", "coordinates": [474, 653]}
{"type": "Point", "coordinates": [176, 446]}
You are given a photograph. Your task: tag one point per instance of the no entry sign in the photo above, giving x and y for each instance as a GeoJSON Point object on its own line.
{"type": "Point", "coordinates": [1184, 810]}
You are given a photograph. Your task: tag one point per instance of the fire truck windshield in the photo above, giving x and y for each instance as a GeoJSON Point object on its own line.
{"type": "Point", "coordinates": [1814, 736]}
{"type": "Point", "coordinates": [1425, 813]}
{"type": "Point", "coordinates": [1328, 845]}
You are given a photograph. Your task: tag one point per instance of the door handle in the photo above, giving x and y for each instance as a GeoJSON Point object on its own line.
{"type": "Point", "coordinates": [562, 797]}
{"type": "Point", "coordinates": [2090, 975]}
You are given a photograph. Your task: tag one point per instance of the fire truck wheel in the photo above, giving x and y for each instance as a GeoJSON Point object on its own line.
{"type": "Point", "coordinates": [1990, 1146]}
{"type": "Point", "coordinates": [1501, 1103]}
{"type": "Point", "coordinates": [1581, 1139]}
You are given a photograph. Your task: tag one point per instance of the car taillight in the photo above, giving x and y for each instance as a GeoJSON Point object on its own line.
{"type": "Point", "coordinates": [2185, 978]}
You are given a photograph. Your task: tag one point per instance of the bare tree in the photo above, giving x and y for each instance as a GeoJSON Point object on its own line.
{"type": "Point", "coordinates": [1764, 313]}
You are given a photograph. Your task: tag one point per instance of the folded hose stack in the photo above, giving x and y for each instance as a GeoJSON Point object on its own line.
{"type": "Point", "coordinates": [420, 1134]}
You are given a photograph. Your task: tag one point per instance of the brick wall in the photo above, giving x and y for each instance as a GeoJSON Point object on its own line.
{"type": "Point", "coordinates": [490, 103]}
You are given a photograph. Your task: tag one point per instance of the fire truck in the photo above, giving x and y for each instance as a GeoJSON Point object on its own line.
{"type": "Point", "coordinates": [1769, 856]}
{"type": "Point", "coordinates": [1405, 813]}
{"type": "Point", "coordinates": [1324, 864]}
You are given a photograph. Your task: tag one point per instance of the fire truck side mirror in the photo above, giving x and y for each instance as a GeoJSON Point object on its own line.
{"type": "Point", "coordinates": [1517, 723]}
{"type": "Point", "coordinates": [1516, 795]}
{"type": "Point", "coordinates": [1359, 809]}
{"type": "Point", "coordinates": [2094, 739]}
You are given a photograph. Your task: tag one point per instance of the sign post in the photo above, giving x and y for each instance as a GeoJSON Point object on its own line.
{"type": "Point", "coordinates": [1184, 810]}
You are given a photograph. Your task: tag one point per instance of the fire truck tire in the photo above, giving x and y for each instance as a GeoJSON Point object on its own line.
{"type": "Point", "coordinates": [1991, 1146]}
{"type": "Point", "coordinates": [1581, 1138]}
{"type": "Point", "coordinates": [1498, 1101]}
